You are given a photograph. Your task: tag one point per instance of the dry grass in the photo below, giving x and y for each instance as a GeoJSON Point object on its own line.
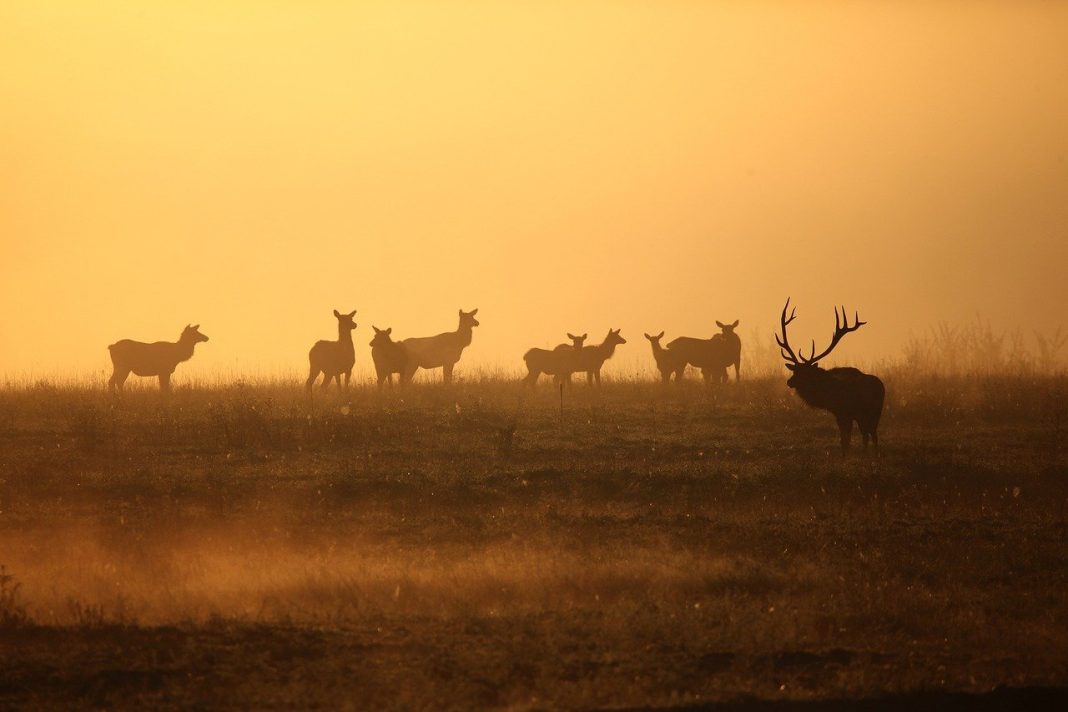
{"type": "Point", "coordinates": [477, 546]}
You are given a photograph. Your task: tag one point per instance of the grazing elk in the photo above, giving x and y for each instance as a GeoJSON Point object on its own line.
{"type": "Point", "coordinates": [560, 362]}
{"type": "Point", "coordinates": [388, 355]}
{"type": "Point", "coordinates": [441, 351]}
{"type": "Point", "coordinates": [333, 358]}
{"type": "Point", "coordinates": [592, 358]}
{"type": "Point", "coordinates": [848, 393]}
{"type": "Point", "coordinates": [731, 347]}
{"type": "Point", "coordinates": [155, 359]}
{"type": "Point", "coordinates": [667, 361]}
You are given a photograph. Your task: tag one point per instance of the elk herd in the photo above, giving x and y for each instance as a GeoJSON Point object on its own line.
{"type": "Point", "coordinates": [847, 393]}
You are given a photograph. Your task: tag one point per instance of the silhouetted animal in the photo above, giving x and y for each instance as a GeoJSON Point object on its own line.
{"type": "Point", "coordinates": [667, 361]}
{"type": "Point", "coordinates": [333, 358]}
{"type": "Point", "coordinates": [441, 351]}
{"type": "Point", "coordinates": [560, 362]}
{"type": "Point", "coordinates": [731, 347]}
{"type": "Point", "coordinates": [709, 355]}
{"type": "Point", "coordinates": [388, 355]}
{"type": "Point", "coordinates": [849, 394]}
{"type": "Point", "coordinates": [592, 358]}
{"type": "Point", "coordinates": [155, 359]}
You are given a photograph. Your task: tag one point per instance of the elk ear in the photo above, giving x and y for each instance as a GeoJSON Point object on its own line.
{"type": "Point", "coordinates": [196, 326]}
{"type": "Point", "coordinates": [352, 313]}
{"type": "Point", "coordinates": [720, 324]}
{"type": "Point", "coordinates": [648, 337]}
{"type": "Point", "coordinates": [571, 336]}
{"type": "Point", "coordinates": [377, 330]}
{"type": "Point", "coordinates": [474, 311]}
{"type": "Point", "coordinates": [389, 330]}
{"type": "Point", "coordinates": [660, 335]}
{"type": "Point", "coordinates": [735, 324]}
{"type": "Point", "coordinates": [790, 366]}
{"type": "Point", "coordinates": [337, 314]}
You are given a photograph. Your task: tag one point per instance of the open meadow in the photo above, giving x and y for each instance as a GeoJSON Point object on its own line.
{"type": "Point", "coordinates": [486, 545]}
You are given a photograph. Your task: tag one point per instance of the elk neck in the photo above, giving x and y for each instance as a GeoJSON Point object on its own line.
{"type": "Point", "coordinates": [465, 334]}
{"type": "Point", "coordinates": [344, 337]}
{"type": "Point", "coordinates": [184, 348]}
{"type": "Point", "coordinates": [605, 348]}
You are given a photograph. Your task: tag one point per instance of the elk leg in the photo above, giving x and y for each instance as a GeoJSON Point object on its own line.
{"type": "Point", "coordinates": [845, 427]}
{"type": "Point", "coordinates": [118, 378]}
{"type": "Point", "coordinates": [348, 375]}
{"type": "Point", "coordinates": [737, 370]}
{"type": "Point", "coordinates": [312, 375]}
{"type": "Point", "coordinates": [665, 375]}
{"type": "Point", "coordinates": [707, 375]}
{"type": "Point", "coordinates": [446, 372]}
{"type": "Point", "coordinates": [165, 382]}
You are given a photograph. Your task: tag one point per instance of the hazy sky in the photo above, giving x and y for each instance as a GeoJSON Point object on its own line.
{"type": "Point", "coordinates": [560, 165]}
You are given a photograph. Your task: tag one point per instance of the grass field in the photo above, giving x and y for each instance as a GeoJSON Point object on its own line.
{"type": "Point", "coordinates": [481, 546]}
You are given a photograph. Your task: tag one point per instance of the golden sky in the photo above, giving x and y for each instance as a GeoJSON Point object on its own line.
{"type": "Point", "coordinates": [563, 166]}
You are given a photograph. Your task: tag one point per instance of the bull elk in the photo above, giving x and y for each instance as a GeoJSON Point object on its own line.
{"type": "Point", "coordinates": [848, 393]}
{"type": "Point", "coordinates": [155, 359]}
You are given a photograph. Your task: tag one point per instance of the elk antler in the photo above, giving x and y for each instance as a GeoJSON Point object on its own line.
{"type": "Point", "coordinates": [841, 328]}
{"type": "Point", "coordinates": [784, 342]}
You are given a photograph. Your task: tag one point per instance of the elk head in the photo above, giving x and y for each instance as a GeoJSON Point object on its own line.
{"type": "Point", "coordinates": [346, 320]}
{"type": "Point", "coordinates": [467, 319]}
{"type": "Point", "coordinates": [727, 329]}
{"type": "Point", "coordinates": [577, 341]}
{"type": "Point", "coordinates": [614, 337]}
{"type": "Point", "coordinates": [655, 340]}
{"type": "Point", "coordinates": [381, 337]}
{"type": "Point", "coordinates": [191, 333]}
{"type": "Point", "coordinates": [806, 370]}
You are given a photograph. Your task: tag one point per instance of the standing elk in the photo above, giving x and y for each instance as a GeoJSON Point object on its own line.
{"type": "Point", "coordinates": [851, 395]}
{"type": "Point", "coordinates": [712, 356]}
{"type": "Point", "coordinates": [389, 356]}
{"type": "Point", "coordinates": [333, 358]}
{"type": "Point", "coordinates": [560, 362]}
{"type": "Point", "coordinates": [668, 362]}
{"type": "Point", "coordinates": [592, 358]}
{"type": "Point", "coordinates": [155, 359]}
{"type": "Point", "coordinates": [441, 351]}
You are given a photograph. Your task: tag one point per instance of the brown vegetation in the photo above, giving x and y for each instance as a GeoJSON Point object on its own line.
{"type": "Point", "coordinates": [645, 546]}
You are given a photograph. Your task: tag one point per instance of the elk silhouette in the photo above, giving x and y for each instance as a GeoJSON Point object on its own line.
{"type": "Point", "coordinates": [560, 362]}
{"type": "Point", "coordinates": [731, 347]}
{"type": "Point", "coordinates": [389, 356]}
{"type": "Point", "coordinates": [441, 351]}
{"type": "Point", "coordinates": [333, 358]}
{"type": "Point", "coordinates": [668, 362]}
{"type": "Point", "coordinates": [592, 358]}
{"type": "Point", "coordinates": [849, 394]}
{"type": "Point", "coordinates": [155, 359]}
{"type": "Point", "coordinates": [712, 355]}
